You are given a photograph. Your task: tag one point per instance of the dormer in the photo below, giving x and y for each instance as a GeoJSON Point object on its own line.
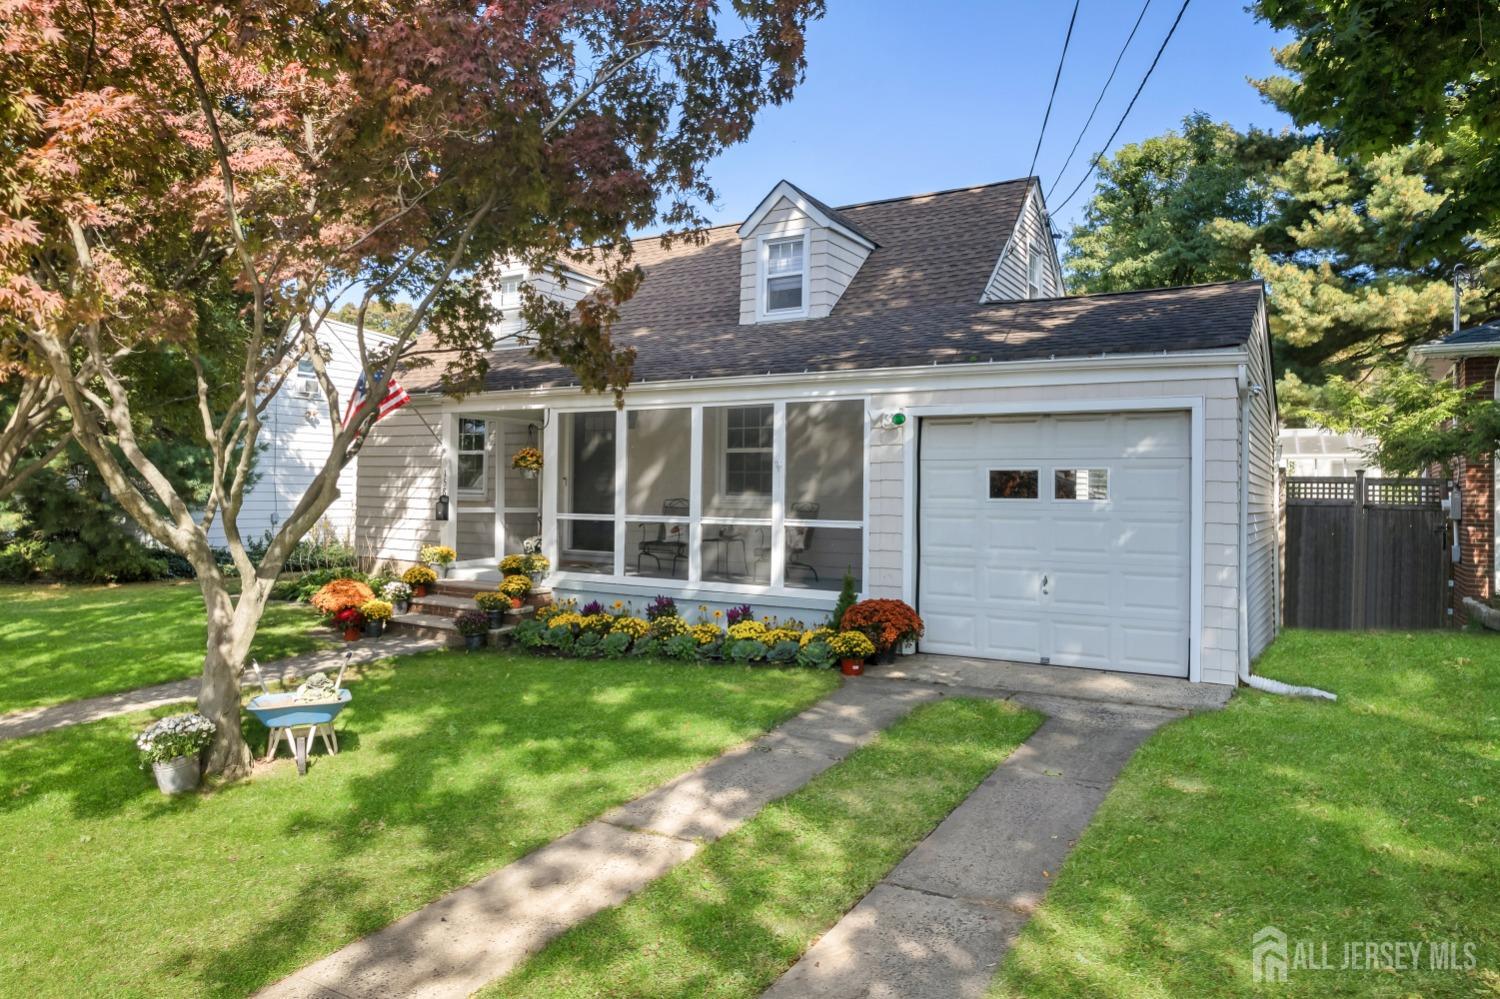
{"type": "Point", "coordinates": [797, 256]}
{"type": "Point", "coordinates": [563, 284]}
{"type": "Point", "coordinates": [1028, 266]}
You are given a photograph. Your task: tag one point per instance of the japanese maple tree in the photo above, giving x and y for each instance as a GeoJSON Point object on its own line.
{"type": "Point", "coordinates": [289, 155]}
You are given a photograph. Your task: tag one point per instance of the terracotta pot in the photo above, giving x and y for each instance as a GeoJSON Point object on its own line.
{"type": "Point", "coordinates": [352, 633]}
{"type": "Point", "coordinates": [852, 667]}
{"type": "Point", "coordinates": [516, 601]}
{"type": "Point", "coordinates": [420, 590]}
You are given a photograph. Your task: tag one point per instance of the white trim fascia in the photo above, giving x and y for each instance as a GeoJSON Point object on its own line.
{"type": "Point", "coordinates": [1195, 405]}
{"type": "Point", "coordinates": [1093, 370]}
{"type": "Point", "coordinates": [1426, 350]}
{"type": "Point", "coordinates": [789, 191]}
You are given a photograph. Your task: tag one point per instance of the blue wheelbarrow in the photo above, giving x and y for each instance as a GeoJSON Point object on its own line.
{"type": "Point", "coordinates": [297, 721]}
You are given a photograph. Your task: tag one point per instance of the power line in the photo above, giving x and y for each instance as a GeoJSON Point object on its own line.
{"type": "Point", "coordinates": [1100, 100]}
{"type": "Point", "coordinates": [1100, 155]}
{"type": "Point", "coordinates": [1053, 96]}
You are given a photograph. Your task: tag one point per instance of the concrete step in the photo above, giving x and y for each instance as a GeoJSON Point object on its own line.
{"type": "Point", "coordinates": [446, 605]}
{"type": "Point", "coordinates": [442, 629]}
{"type": "Point", "coordinates": [466, 588]}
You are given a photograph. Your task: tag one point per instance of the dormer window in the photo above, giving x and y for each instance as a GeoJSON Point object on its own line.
{"type": "Point", "coordinates": [784, 283]}
{"type": "Point", "coordinates": [1036, 270]}
{"type": "Point", "coordinates": [509, 293]}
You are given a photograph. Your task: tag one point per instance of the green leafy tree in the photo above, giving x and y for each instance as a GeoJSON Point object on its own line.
{"type": "Point", "coordinates": [1419, 423]}
{"type": "Point", "coordinates": [1185, 207]}
{"type": "Point", "coordinates": [382, 318]}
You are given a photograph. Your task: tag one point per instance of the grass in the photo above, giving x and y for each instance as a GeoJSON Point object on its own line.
{"type": "Point", "coordinates": [63, 643]}
{"type": "Point", "coordinates": [1373, 819]}
{"type": "Point", "coordinates": [732, 919]}
{"type": "Point", "coordinates": [453, 765]}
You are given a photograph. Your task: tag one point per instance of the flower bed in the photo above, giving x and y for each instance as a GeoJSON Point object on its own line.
{"type": "Point", "coordinates": [618, 632]}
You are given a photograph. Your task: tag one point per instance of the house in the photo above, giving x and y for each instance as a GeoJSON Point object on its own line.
{"type": "Point", "coordinates": [1317, 451]}
{"type": "Point", "coordinates": [295, 438]}
{"type": "Point", "coordinates": [898, 390]}
{"type": "Point", "coordinates": [1470, 358]}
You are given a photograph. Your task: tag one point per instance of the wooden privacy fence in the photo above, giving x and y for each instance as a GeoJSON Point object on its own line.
{"type": "Point", "coordinates": [1365, 553]}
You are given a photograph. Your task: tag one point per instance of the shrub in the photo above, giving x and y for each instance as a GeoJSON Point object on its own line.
{"type": "Point", "coordinates": [176, 735]}
{"type": "Point", "coordinates": [437, 555]}
{"type": "Point", "coordinates": [376, 610]}
{"type": "Point", "coordinates": [530, 634]}
{"type": "Point", "coordinates": [661, 607]}
{"type": "Point", "coordinates": [784, 651]}
{"type": "Point", "coordinates": [419, 575]}
{"type": "Point", "coordinates": [490, 600]}
{"type": "Point", "coordinates": [340, 595]}
{"type": "Point", "coordinates": [748, 650]}
{"type": "Point", "coordinates": [682, 646]}
{"type": "Point", "coordinates": [515, 587]}
{"type": "Point", "coordinates": [301, 588]}
{"type": "Point", "coordinates": [472, 623]}
{"type": "Point", "coordinates": [851, 645]}
{"type": "Point", "coordinates": [883, 622]}
{"type": "Point", "coordinates": [816, 655]}
{"type": "Point", "coordinates": [615, 645]}
{"type": "Point", "coordinates": [647, 648]}
{"type": "Point", "coordinates": [846, 600]}
{"type": "Point", "coordinates": [20, 561]}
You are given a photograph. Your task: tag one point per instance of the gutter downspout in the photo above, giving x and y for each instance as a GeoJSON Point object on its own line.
{"type": "Point", "coordinates": [1247, 394]}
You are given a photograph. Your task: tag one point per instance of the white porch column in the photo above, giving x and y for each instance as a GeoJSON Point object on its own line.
{"type": "Point", "coordinates": [695, 498]}
{"type": "Point", "coordinates": [778, 496]}
{"type": "Point", "coordinates": [449, 479]}
{"type": "Point", "coordinates": [551, 467]}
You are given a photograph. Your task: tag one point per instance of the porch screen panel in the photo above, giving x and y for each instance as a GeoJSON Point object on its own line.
{"type": "Point", "coordinates": [658, 461]}
{"type": "Point", "coordinates": [586, 492]}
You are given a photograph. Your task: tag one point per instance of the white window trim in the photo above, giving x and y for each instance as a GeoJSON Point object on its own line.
{"type": "Point", "coordinates": [753, 502]}
{"type": "Point", "coordinates": [484, 453]}
{"type": "Point", "coordinates": [1036, 254]}
{"type": "Point", "coordinates": [762, 276]}
{"type": "Point", "coordinates": [695, 586]}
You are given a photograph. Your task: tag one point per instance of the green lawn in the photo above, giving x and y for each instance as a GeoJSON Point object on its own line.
{"type": "Point", "coordinates": [1373, 819]}
{"type": "Point", "coordinates": [732, 919]}
{"type": "Point", "coordinates": [62, 643]}
{"type": "Point", "coordinates": [453, 765]}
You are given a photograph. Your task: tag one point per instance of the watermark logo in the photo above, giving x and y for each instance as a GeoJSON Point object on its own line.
{"type": "Point", "coordinates": [1273, 956]}
{"type": "Point", "coordinates": [1268, 955]}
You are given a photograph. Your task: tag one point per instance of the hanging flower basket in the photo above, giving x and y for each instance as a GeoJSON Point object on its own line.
{"type": "Point", "coordinates": [528, 460]}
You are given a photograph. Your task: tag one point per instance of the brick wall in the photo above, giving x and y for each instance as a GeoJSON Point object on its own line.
{"type": "Point", "coordinates": [1474, 574]}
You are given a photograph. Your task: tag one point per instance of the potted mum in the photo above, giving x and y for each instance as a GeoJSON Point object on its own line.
{"type": "Point", "coordinates": [171, 745]}
{"type": "Point", "coordinates": [493, 603]}
{"type": "Point", "coordinates": [473, 625]}
{"type": "Point", "coordinates": [398, 595]}
{"type": "Point", "coordinates": [419, 578]}
{"type": "Point", "coordinates": [340, 601]}
{"type": "Point", "coordinates": [852, 648]}
{"type": "Point", "coordinates": [438, 556]}
{"type": "Point", "coordinates": [528, 460]}
{"type": "Point", "coordinates": [516, 587]}
{"type": "Point", "coordinates": [886, 623]}
{"type": "Point", "coordinates": [376, 613]}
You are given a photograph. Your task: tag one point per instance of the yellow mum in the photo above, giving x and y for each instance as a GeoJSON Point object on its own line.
{"type": "Point", "coordinates": [747, 629]}
{"type": "Point", "coordinates": [705, 634]}
{"type": "Point", "coordinates": [816, 635]}
{"type": "Point", "coordinates": [632, 626]}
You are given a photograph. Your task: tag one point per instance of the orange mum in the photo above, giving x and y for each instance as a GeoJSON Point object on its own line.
{"type": "Point", "coordinates": [885, 622]}
{"type": "Point", "coordinates": [342, 594]}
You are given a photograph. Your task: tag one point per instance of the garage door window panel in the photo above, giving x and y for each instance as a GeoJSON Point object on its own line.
{"type": "Point", "coordinates": [1087, 484]}
{"type": "Point", "coordinates": [1014, 483]}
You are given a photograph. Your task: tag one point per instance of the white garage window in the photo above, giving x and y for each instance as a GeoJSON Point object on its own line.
{"type": "Point", "coordinates": [1081, 484]}
{"type": "Point", "coordinates": [1013, 483]}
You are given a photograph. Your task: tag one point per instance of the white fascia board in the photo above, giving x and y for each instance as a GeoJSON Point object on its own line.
{"type": "Point", "coordinates": [1435, 350]}
{"type": "Point", "coordinates": [1064, 372]}
{"type": "Point", "coordinates": [789, 191]}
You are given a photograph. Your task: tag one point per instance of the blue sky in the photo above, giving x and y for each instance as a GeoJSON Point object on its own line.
{"type": "Point", "coordinates": [903, 97]}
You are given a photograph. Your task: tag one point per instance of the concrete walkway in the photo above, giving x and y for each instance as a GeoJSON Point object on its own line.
{"type": "Point", "coordinates": [32, 721]}
{"type": "Point", "coordinates": [479, 933]}
{"type": "Point", "coordinates": [940, 923]}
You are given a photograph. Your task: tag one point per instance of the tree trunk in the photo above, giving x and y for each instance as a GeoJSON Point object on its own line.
{"type": "Point", "coordinates": [231, 629]}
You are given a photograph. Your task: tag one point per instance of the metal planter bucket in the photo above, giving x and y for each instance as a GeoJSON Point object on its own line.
{"type": "Point", "coordinates": [176, 776]}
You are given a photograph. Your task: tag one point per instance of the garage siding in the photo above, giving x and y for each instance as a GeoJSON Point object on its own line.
{"type": "Point", "coordinates": [1263, 548]}
{"type": "Point", "coordinates": [1220, 641]}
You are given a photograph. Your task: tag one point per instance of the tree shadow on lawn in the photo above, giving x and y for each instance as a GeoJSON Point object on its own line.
{"type": "Point", "coordinates": [564, 752]}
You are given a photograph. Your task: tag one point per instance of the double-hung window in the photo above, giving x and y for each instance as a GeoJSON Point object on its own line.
{"type": "Point", "coordinates": [473, 458]}
{"type": "Point", "coordinates": [1036, 272]}
{"type": "Point", "coordinates": [748, 442]}
{"type": "Point", "coordinates": [784, 267]}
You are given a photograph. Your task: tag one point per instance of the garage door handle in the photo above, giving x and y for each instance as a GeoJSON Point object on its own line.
{"type": "Point", "coordinates": [1044, 586]}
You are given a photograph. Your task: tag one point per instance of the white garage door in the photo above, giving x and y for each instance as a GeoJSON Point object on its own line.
{"type": "Point", "coordinates": [1057, 539]}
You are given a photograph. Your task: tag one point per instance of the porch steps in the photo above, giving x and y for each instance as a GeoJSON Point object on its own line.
{"type": "Point", "coordinates": [442, 628]}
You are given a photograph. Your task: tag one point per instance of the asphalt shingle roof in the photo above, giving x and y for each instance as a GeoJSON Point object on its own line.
{"type": "Point", "coordinates": [1485, 333]}
{"type": "Point", "coordinates": [915, 301]}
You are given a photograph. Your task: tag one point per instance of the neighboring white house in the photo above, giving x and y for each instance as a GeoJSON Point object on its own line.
{"type": "Point", "coordinates": [897, 390]}
{"type": "Point", "coordinates": [1316, 451]}
{"type": "Point", "coordinates": [295, 440]}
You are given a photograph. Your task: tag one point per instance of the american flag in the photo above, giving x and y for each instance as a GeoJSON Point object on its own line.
{"type": "Point", "coordinates": [394, 399]}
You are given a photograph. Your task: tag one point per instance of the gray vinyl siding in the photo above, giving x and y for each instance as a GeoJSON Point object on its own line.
{"type": "Point", "coordinates": [1263, 514]}
{"type": "Point", "coordinates": [399, 482]}
{"type": "Point", "coordinates": [1008, 282]}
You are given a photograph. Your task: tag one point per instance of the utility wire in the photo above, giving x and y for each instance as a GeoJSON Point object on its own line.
{"type": "Point", "coordinates": [1053, 96]}
{"type": "Point", "coordinates": [1100, 155]}
{"type": "Point", "coordinates": [1100, 100]}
